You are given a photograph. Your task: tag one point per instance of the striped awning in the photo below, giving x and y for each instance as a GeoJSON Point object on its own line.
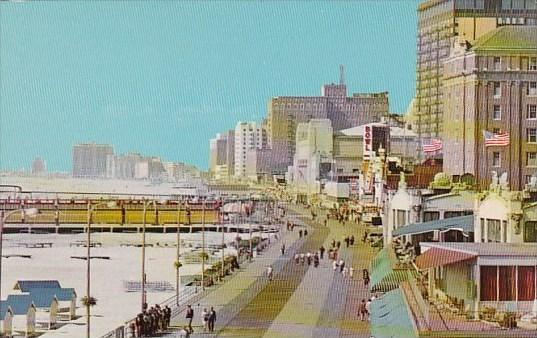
{"type": "Point", "coordinates": [435, 257]}
{"type": "Point", "coordinates": [384, 277]}
{"type": "Point", "coordinates": [390, 316]}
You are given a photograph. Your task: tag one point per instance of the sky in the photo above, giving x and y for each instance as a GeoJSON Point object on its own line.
{"type": "Point", "coordinates": [162, 78]}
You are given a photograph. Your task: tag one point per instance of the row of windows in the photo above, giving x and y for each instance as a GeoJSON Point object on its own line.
{"type": "Point", "coordinates": [531, 159]}
{"type": "Point", "coordinates": [532, 64]}
{"type": "Point", "coordinates": [531, 89]}
{"type": "Point", "coordinates": [531, 112]}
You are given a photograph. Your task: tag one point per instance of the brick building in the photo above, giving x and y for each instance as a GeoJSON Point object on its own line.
{"type": "Point", "coordinates": [491, 85]}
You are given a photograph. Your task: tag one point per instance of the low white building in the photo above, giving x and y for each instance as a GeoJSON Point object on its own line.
{"type": "Point", "coordinates": [313, 156]}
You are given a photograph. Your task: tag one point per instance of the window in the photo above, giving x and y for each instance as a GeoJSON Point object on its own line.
{"type": "Point", "coordinates": [532, 135]}
{"type": "Point", "coordinates": [507, 286]}
{"type": "Point", "coordinates": [494, 232]}
{"type": "Point", "coordinates": [451, 214]}
{"type": "Point", "coordinates": [532, 111]}
{"type": "Point", "coordinates": [530, 232]}
{"type": "Point", "coordinates": [532, 88]}
{"type": "Point", "coordinates": [532, 65]}
{"type": "Point", "coordinates": [526, 283]}
{"type": "Point", "coordinates": [496, 160]}
{"type": "Point", "coordinates": [497, 63]}
{"type": "Point", "coordinates": [498, 90]}
{"type": "Point", "coordinates": [531, 159]}
{"type": "Point", "coordinates": [431, 216]}
{"type": "Point", "coordinates": [401, 218]}
{"type": "Point", "coordinates": [489, 283]}
{"type": "Point", "coordinates": [482, 224]}
{"type": "Point", "coordinates": [497, 112]}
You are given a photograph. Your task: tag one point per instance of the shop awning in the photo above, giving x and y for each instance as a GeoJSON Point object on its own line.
{"type": "Point", "coordinates": [435, 257]}
{"type": "Point", "coordinates": [390, 316]}
{"type": "Point", "coordinates": [384, 277]}
{"type": "Point", "coordinates": [464, 223]}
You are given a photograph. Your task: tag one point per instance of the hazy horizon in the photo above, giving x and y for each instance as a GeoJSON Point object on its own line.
{"type": "Point", "coordinates": [162, 78]}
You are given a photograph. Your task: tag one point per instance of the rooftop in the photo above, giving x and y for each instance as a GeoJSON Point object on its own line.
{"type": "Point", "coordinates": [394, 131]}
{"type": "Point", "coordinates": [488, 249]}
{"type": "Point", "coordinates": [508, 38]}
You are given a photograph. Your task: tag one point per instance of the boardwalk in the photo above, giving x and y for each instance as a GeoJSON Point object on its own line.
{"type": "Point", "coordinates": [301, 300]}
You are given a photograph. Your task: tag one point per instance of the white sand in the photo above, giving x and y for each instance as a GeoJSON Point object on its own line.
{"type": "Point", "coordinates": [114, 305]}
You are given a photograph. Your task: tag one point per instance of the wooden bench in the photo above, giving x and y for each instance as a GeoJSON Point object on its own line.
{"type": "Point", "coordinates": [85, 244]}
{"type": "Point", "coordinates": [40, 245]}
{"type": "Point", "coordinates": [85, 258]}
{"type": "Point", "coordinates": [20, 256]}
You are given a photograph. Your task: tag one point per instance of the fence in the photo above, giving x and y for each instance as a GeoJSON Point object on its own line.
{"type": "Point", "coordinates": [422, 304]}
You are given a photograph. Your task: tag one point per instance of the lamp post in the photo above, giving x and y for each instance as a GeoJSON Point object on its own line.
{"type": "Point", "coordinates": [178, 264]}
{"type": "Point", "coordinates": [146, 203]}
{"type": "Point", "coordinates": [203, 245]}
{"type": "Point", "coordinates": [91, 208]}
{"type": "Point", "coordinates": [220, 214]}
{"type": "Point", "coordinates": [3, 217]}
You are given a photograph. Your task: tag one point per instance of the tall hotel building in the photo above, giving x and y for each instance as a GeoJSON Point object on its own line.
{"type": "Point", "coordinates": [286, 112]}
{"type": "Point", "coordinates": [249, 137]}
{"type": "Point", "coordinates": [438, 22]}
{"type": "Point", "coordinates": [89, 160]}
{"type": "Point", "coordinates": [491, 85]}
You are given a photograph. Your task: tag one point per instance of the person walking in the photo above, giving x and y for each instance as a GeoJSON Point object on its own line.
{"type": "Point", "coordinates": [300, 233]}
{"type": "Point", "coordinates": [316, 260]}
{"type": "Point", "coordinates": [347, 240]}
{"type": "Point", "coordinates": [367, 308]}
{"type": "Point", "coordinates": [352, 240]}
{"type": "Point", "coordinates": [351, 272]}
{"type": "Point", "coordinates": [344, 272]}
{"type": "Point", "coordinates": [333, 243]}
{"type": "Point", "coordinates": [269, 273]}
{"type": "Point", "coordinates": [302, 258]}
{"type": "Point", "coordinates": [305, 232]}
{"type": "Point", "coordinates": [334, 265]}
{"type": "Point", "coordinates": [341, 265]}
{"type": "Point", "coordinates": [212, 319]}
{"type": "Point", "coordinates": [321, 251]}
{"type": "Point", "coordinates": [338, 244]}
{"type": "Point", "coordinates": [205, 320]}
{"type": "Point", "coordinates": [189, 317]}
{"type": "Point", "coordinates": [297, 258]}
{"type": "Point", "coordinates": [308, 257]}
{"type": "Point", "coordinates": [282, 250]}
{"type": "Point", "coordinates": [362, 312]}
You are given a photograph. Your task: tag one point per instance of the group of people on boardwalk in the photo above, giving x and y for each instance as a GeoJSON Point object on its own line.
{"type": "Point", "coordinates": [291, 227]}
{"type": "Point", "coordinates": [208, 318]}
{"type": "Point", "coordinates": [308, 258]}
{"type": "Point", "coordinates": [150, 321]}
{"type": "Point", "coordinates": [364, 309]}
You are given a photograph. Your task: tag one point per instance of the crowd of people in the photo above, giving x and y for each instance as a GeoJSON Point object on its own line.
{"type": "Point", "coordinates": [150, 321]}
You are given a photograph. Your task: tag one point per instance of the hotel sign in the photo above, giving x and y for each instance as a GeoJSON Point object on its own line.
{"type": "Point", "coordinates": [368, 141]}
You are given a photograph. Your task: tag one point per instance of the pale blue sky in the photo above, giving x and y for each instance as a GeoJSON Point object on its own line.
{"type": "Point", "coordinates": [162, 78]}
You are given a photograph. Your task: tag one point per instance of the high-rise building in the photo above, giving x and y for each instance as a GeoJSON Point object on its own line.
{"type": "Point", "coordinates": [218, 148]}
{"type": "Point", "coordinates": [248, 136]}
{"type": "Point", "coordinates": [38, 166]}
{"type": "Point", "coordinates": [286, 112]}
{"type": "Point", "coordinates": [222, 155]}
{"type": "Point", "coordinates": [89, 160]}
{"type": "Point", "coordinates": [490, 87]}
{"type": "Point", "coordinates": [438, 22]}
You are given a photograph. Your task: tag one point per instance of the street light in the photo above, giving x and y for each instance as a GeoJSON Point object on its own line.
{"type": "Point", "coordinates": [178, 262]}
{"type": "Point", "coordinates": [89, 303]}
{"type": "Point", "coordinates": [203, 245]}
{"type": "Point", "coordinates": [30, 212]}
{"type": "Point", "coordinates": [146, 203]}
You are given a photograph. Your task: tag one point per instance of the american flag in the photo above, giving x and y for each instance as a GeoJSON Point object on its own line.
{"type": "Point", "coordinates": [433, 146]}
{"type": "Point", "coordinates": [491, 139]}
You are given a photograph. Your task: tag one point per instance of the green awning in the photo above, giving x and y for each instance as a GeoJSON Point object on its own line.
{"type": "Point", "coordinates": [384, 277]}
{"type": "Point", "coordinates": [463, 223]}
{"type": "Point", "coordinates": [390, 317]}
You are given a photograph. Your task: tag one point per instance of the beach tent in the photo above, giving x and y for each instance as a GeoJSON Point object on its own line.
{"type": "Point", "coordinates": [66, 298]}
{"type": "Point", "coordinates": [19, 305]}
